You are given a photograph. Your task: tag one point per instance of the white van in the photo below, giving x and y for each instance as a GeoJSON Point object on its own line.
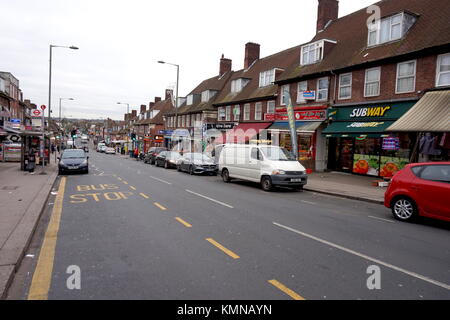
{"type": "Point", "coordinates": [268, 165]}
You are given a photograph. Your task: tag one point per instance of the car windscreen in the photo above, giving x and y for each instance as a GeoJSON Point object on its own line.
{"type": "Point", "coordinates": [173, 155]}
{"type": "Point", "coordinates": [73, 154]}
{"type": "Point", "coordinates": [198, 157]}
{"type": "Point", "coordinates": [277, 154]}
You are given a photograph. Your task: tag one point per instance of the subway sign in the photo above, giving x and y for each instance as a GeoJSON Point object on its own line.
{"type": "Point", "coordinates": [374, 112]}
{"type": "Point", "coordinates": [369, 112]}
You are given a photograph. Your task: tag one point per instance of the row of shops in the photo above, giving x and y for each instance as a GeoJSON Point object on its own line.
{"type": "Point", "coordinates": [376, 139]}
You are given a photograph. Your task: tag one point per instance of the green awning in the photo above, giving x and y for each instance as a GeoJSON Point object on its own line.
{"type": "Point", "coordinates": [356, 129]}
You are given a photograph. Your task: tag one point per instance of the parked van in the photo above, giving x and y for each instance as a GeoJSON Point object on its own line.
{"type": "Point", "coordinates": [268, 165]}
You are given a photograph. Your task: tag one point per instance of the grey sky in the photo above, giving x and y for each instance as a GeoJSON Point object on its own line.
{"type": "Point", "coordinates": [121, 41]}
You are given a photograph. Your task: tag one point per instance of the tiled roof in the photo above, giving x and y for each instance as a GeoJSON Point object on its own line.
{"type": "Point", "coordinates": [252, 91]}
{"type": "Point", "coordinates": [432, 29]}
{"type": "Point", "coordinates": [164, 107]}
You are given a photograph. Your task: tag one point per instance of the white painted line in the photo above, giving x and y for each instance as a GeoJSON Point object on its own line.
{"type": "Point", "coordinates": [211, 199]}
{"type": "Point", "coordinates": [410, 273]}
{"type": "Point", "coordinates": [385, 220]}
{"type": "Point", "coordinates": [309, 202]}
{"type": "Point", "coordinates": [161, 180]}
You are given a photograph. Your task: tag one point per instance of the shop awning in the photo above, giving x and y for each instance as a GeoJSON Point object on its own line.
{"type": "Point", "coordinates": [300, 126]}
{"type": "Point", "coordinates": [357, 129]}
{"type": "Point", "coordinates": [429, 114]}
{"type": "Point", "coordinates": [243, 132]}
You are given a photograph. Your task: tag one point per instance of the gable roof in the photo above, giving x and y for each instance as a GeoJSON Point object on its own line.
{"type": "Point", "coordinates": [164, 107]}
{"type": "Point", "coordinates": [432, 29]}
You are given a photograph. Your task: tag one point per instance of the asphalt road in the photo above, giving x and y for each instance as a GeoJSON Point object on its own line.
{"type": "Point", "coordinates": [140, 232]}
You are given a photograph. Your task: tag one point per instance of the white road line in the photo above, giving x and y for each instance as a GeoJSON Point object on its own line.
{"type": "Point", "coordinates": [385, 220]}
{"type": "Point", "coordinates": [309, 202]}
{"type": "Point", "coordinates": [161, 180]}
{"type": "Point", "coordinates": [410, 273]}
{"type": "Point", "coordinates": [211, 199]}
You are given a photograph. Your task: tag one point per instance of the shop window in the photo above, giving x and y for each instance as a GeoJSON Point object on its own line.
{"type": "Point", "coordinates": [406, 77]}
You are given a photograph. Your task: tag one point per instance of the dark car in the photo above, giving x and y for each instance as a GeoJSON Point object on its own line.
{"type": "Point", "coordinates": [167, 159]}
{"type": "Point", "coordinates": [150, 157]}
{"type": "Point", "coordinates": [420, 189]}
{"type": "Point", "coordinates": [197, 163]}
{"type": "Point", "coordinates": [73, 160]}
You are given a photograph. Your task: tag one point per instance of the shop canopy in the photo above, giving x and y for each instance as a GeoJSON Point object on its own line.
{"type": "Point", "coordinates": [356, 129]}
{"type": "Point", "coordinates": [307, 127]}
{"type": "Point", "coordinates": [429, 114]}
{"type": "Point", "coordinates": [243, 132]}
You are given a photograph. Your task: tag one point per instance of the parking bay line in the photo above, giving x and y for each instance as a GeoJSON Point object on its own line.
{"type": "Point", "coordinates": [210, 199]}
{"type": "Point", "coordinates": [133, 188]}
{"type": "Point", "coordinates": [387, 265]}
{"type": "Point", "coordinates": [161, 180]}
{"type": "Point", "coordinates": [186, 224]}
{"type": "Point", "coordinates": [144, 195]}
{"type": "Point", "coordinates": [160, 206]}
{"type": "Point", "coordinates": [222, 248]}
{"type": "Point", "coordinates": [286, 290]}
{"type": "Point", "coordinates": [381, 219]}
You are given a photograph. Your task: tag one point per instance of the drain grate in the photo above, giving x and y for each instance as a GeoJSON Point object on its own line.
{"type": "Point", "coordinates": [9, 188]}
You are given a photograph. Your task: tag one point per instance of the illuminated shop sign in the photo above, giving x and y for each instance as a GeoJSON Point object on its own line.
{"type": "Point", "coordinates": [370, 112]}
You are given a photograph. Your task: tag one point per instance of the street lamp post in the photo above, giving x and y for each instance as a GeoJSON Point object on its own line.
{"type": "Point", "coordinates": [176, 94]}
{"type": "Point", "coordinates": [128, 124]}
{"type": "Point", "coordinates": [50, 90]}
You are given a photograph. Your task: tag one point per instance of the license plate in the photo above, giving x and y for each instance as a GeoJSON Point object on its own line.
{"type": "Point", "coordinates": [296, 180]}
{"type": "Point", "coordinates": [73, 168]}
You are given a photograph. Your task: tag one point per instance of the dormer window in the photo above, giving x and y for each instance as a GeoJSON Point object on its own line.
{"type": "Point", "coordinates": [390, 28]}
{"type": "Point", "coordinates": [238, 84]}
{"type": "Point", "coordinates": [207, 95]}
{"type": "Point", "coordinates": [266, 78]}
{"type": "Point", "coordinates": [190, 100]}
{"type": "Point", "coordinates": [312, 53]}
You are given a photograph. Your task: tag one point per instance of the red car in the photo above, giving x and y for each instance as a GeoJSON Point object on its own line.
{"type": "Point", "coordinates": [420, 189]}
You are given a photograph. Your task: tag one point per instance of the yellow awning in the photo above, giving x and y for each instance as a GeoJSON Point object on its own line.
{"type": "Point", "coordinates": [429, 114]}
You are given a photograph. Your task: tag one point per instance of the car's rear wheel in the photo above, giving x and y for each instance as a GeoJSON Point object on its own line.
{"type": "Point", "coordinates": [179, 168]}
{"type": "Point", "coordinates": [166, 165]}
{"type": "Point", "coordinates": [404, 209]}
{"type": "Point", "coordinates": [266, 184]}
{"type": "Point", "coordinates": [191, 170]}
{"type": "Point", "coordinates": [225, 176]}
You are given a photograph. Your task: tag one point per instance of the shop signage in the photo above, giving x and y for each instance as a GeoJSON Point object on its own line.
{"type": "Point", "coordinates": [225, 126]}
{"type": "Point", "coordinates": [365, 124]}
{"type": "Point", "coordinates": [383, 112]}
{"type": "Point", "coordinates": [309, 115]}
{"type": "Point", "coordinates": [309, 95]}
{"type": "Point", "coordinates": [15, 123]}
{"type": "Point", "coordinates": [369, 112]}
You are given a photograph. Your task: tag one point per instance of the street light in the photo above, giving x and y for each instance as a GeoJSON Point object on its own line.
{"type": "Point", "coordinates": [50, 88]}
{"type": "Point", "coordinates": [176, 95]}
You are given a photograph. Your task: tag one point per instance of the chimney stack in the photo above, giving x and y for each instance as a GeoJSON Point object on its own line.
{"type": "Point", "coordinates": [169, 94]}
{"type": "Point", "coordinates": [143, 108]}
{"type": "Point", "coordinates": [225, 65]}
{"type": "Point", "coordinates": [251, 54]}
{"type": "Point", "coordinates": [152, 104]}
{"type": "Point", "coordinates": [328, 11]}
{"type": "Point", "coordinates": [133, 114]}
{"type": "Point", "coordinates": [157, 99]}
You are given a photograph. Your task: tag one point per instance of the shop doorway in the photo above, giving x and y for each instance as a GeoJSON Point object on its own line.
{"type": "Point", "coordinates": [346, 149]}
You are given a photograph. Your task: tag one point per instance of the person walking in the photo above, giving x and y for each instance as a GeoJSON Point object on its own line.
{"type": "Point", "coordinates": [136, 153]}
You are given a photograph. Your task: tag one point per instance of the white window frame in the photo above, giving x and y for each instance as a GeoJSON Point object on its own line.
{"type": "Point", "coordinates": [221, 111]}
{"type": "Point", "coordinates": [266, 78]}
{"type": "Point", "coordinates": [258, 111]}
{"type": "Point", "coordinates": [205, 96]}
{"type": "Point", "coordinates": [319, 90]}
{"type": "Point", "coordinates": [300, 86]}
{"type": "Point", "coordinates": [438, 70]}
{"type": "Point", "coordinates": [190, 100]}
{"type": "Point", "coordinates": [317, 46]}
{"type": "Point", "coordinates": [228, 113]}
{"type": "Point", "coordinates": [236, 116]}
{"type": "Point", "coordinates": [247, 112]}
{"type": "Point", "coordinates": [366, 83]}
{"type": "Point", "coordinates": [376, 27]}
{"type": "Point", "coordinates": [271, 107]}
{"type": "Point", "coordinates": [345, 86]}
{"type": "Point", "coordinates": [283, 88]}
{"type": "Point", "coordinates": [405, 77]}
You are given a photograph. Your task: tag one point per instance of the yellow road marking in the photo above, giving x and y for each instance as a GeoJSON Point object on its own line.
{"type": "Point", "coordinates": [42, 277]}
{"type": "Point", "coordinates": [286, 290]}
{"type": "Point", "coordinates": [144, 195]}
{"type": "Point", "coordinates": [187, 225]}
{"type": "Point", "coordinates": [133, 188]}
{"type": "Point", "coordinates": [125, 182]}
{"type": "Point", "coordinates": [219, 246]}
{"type": "Point", "coordinates": [119, 178]}
{"type": "Point", "coordinates": [160, 206]}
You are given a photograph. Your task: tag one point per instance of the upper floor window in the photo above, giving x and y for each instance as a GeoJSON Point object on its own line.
{"type": "Point", "coordinates": [207, 95]}
{"type": "Point", "coordinates": [238, 84]}
{"type": "Point", "coordinates": [322, 89]}
{"type": "Point", "coordinates": [406, 77]}
{"type": "Point", "coordinates": [247, 112]}
{"type": "Point", "coordinates": [258, 111]}
{"type": "Point", "coordinates": [2, 85]}
{"type": "Point", "coordinates": [228, 116]}
{"type": "Point", "coordinates": [266, 78]}
{"type": "Point", "coordinates": [312, 53]}
{"type": "Point", "coordinates": [221, 114]}
{"type": "Point", "coordinates": [390, 28]}
{"type": "Point", "coordinates": [372, 82]}
{"type": "Point", "coordinates": [271, 107]}
{"type": "Point", "coordinates": [443, 70]}
{"type": "Point", "coordinates": [190, 99]}
{"type": "Point", "coordinates": [284, 99]}
{"type": "Point", "coordinates": [236, 112]}
{"type": "Point", "coordinates": [301, 87]}
{"type": "Point", "coordinates": [345, 86]}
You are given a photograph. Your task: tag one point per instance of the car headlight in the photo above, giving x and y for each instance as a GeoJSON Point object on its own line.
{"type": "Point", "coordinates": [62, 163]}
{"type": "Point", "coordinates": [277, 172]}
{"type": "Point", "coordinates": [172, 161]}
{"type": "Point", "coordinates": [84, 163]}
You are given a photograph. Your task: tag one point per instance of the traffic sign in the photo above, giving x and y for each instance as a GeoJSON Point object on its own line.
{"type": "Point", "coordinates": [43, 107]}
{"type": "Point", "coordinates": [37, 113]}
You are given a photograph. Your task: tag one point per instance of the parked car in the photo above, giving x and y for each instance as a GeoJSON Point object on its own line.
{"type": "Point", "coordinates": [152, 153]}
{"type": "Point", "coordinates": [100, 146]}
{"type": "Point", "coordinates": [167, 159]}
{"type": "Point", "coordinates": [196, 163]}
{"type": "Point", "coordinates": [73, 160]}
{"type": "Point", "coordinates": [110, 150]}
{"type": "Point", "coordinates": [420, 189]}
{"type": "Point", "coordinates": [268, 165]}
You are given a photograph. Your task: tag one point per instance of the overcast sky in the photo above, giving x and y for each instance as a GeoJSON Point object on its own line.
{"type": "Point", "coordinates": [121, 41]}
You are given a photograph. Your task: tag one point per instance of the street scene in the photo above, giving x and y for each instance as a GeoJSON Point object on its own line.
{"type": "Point", "coordinates": [317, 172]}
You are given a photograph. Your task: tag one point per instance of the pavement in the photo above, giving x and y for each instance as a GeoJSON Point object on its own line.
{"type": "Point", "coordinates": [22, 197]}
{"type": "Point", "coordinates": [135, 231]}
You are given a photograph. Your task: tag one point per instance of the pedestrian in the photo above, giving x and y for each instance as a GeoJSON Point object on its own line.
{"type": "Point", "coordinates": [58, 148]}
{"type": "Point", "coordinates": [136, 153]}
{"type": "Point", "coordinates": [53, 148]}
{"type": "Point", "coordinates": [31, 160]}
